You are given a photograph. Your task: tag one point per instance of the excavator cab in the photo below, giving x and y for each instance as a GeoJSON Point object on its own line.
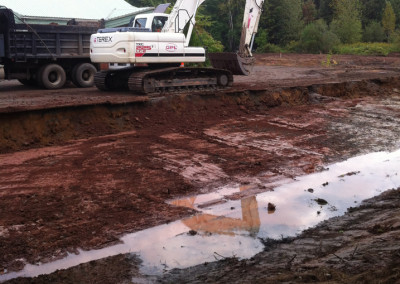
{"type": "Point", "coordinates": [158, 23]}
{"type": "Point", "coordinates": [140, 23]}
{"type": "Point", "coordinates": [153, 22]}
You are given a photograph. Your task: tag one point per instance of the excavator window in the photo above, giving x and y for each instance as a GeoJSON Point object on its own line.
{"type": "Point", "coordinates": [140, 23]}
{"type": "Point", "coordinates": [158, 23]}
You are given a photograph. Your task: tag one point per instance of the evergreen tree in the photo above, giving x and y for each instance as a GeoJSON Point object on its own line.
{"type": "Point", "coordinates": [325, 10]}
{"type": "Point", "coordinates": [309, 11]}
{"type": "Point", "coordinates": [227, 18]}
{"type": "Point", "coordinates": [396, 8]}
{"type": "Point", "coordinates": [347, 20]}
{"type": "Point", "coordinates": [284, 21]}
{"type": "Point", "coordinates": [388, 19]}
{"type": "Point", "coordinates": [372, 11]}
{"type": "Point", "coordinates": [374, 32]}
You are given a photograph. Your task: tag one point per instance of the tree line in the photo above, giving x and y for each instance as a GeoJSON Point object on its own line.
{"type": "Point", "coordinates": [296, 25]}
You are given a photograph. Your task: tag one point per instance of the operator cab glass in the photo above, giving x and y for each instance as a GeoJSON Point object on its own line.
{"type": "Point", "coordinates": [140, 23]}
{"type": "Point", "coordinates": [158, 23]}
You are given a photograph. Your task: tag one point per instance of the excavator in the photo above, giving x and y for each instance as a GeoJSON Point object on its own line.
{"type": "Point", "coordinates": [147, 56]}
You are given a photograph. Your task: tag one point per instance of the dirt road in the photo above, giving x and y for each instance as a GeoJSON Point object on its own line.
{"type": "Point", "coordinates": [80, 168]}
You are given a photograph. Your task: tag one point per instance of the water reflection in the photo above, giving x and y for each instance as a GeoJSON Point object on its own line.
{"type": "Point", "coordinates": [208, 223]}
{"type": "Point", "coordinates": [229, 228]}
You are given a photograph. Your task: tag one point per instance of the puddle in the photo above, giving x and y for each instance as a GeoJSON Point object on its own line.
{"type": "Point", "coordinates": [232, 228]}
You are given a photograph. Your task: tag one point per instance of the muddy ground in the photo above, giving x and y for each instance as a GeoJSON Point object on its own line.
{"type": "Point", "coordinates": [79, 168]}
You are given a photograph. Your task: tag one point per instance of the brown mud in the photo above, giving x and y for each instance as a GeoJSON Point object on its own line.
{"type": "Point", "coordinates": [79, 168]}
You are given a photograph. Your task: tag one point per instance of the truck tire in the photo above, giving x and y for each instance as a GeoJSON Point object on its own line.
{"type": "Point", "coordinates": [52, 76]}
{"type": "Point", "coordinates": [83, 75]}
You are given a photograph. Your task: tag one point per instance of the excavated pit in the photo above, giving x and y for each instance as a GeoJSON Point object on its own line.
{"type": "Point", "coordinates": [79, 176]}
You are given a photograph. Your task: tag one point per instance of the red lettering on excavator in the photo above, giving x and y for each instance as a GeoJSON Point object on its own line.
{"type": "Point", "coordinates": [141, 50]}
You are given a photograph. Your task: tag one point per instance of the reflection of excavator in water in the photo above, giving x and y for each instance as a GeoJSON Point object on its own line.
{"type": "Point", "coordinates": [208, 223]}
{"type": "Point", "coordinates": [155, 46]}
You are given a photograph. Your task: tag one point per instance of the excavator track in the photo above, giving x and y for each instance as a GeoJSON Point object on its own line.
{"type": "Point", "coordinates": [112, 80]}
{"type": "Point", "coordinates": [100, 80]}
{"type": "Point", "coordinates": [171, 80]}
{"type": "Point", "coordinates": [165, 81]}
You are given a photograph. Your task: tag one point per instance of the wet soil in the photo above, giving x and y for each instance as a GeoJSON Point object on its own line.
{"type": "Point", "coordinates": [80, 168]}
{"type": "Point", "coordinates": [361, 247]}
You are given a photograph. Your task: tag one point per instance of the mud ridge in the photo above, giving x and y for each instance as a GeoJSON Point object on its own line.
{"type": "Point", "coordinates": [21, 130]}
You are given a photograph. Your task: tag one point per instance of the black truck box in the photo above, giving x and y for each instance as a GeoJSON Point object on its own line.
{"type": "Point", "coordinates": [52, 41]}
{"type": "Point", "coordinates": [2, 53]}
{"type": "Point", "coordinates": [35, 53]}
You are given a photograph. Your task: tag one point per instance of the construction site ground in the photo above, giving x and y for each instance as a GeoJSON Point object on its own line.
{"type": "Point", "coordinates": [80, 168]}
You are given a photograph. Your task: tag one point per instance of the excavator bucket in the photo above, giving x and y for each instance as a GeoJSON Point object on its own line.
{"type": "Point", "coordinates": [233, 62]}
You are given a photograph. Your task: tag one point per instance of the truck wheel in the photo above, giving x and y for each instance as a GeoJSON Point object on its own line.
{"type": "Point", "coordinates": [83, 75]}
{"type": "Point", "coordinates": [52, 76]}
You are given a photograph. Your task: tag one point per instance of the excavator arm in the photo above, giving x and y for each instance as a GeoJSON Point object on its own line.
{"type": "Point", "coordinates": [183, 13]}
{"type": "Point", "coordinates": [251, 19]}
{"type": "Point", "coordinates": [241, 63]}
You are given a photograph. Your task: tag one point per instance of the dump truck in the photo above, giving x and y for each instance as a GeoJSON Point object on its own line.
{"type": "Point", "coordinates": [45, 55]}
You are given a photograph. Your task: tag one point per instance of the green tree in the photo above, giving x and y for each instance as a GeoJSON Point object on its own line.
{"type": "Point", "coordinates": [374, 32]}
{"type": "Point", "coordinates": [227, 18]}
{"type": "Point", "coordinates": [388, 19]}
{"type": "Point", "coordinates": [371, 11]}
{"type": "Point", "coordinates": [309, 11]}
{"type": "Point", "coordinates": [396, 8]}
{"type": "Point", "coordinates": [316, 37]}
{"type": "Point", "coordinates": [284, 21]}
{"type": "Point", "coordinates": [325, 10]}
{"type": "Point", "coordinates": [346, 23]}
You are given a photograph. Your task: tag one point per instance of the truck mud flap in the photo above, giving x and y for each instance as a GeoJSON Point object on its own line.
{"type": "Point", "coordinates": [233, 62]}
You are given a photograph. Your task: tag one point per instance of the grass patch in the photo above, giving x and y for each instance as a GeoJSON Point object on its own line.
{"type": "Point", "coordinates": [376, 48]}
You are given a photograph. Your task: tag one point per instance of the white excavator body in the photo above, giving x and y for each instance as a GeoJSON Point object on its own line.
{"type": "Point", "coordinates": [143, 47]}
{"type": "Point", "coordinates": [161, 40]}
{"type": "Point", "coordinates": [154, 38]}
